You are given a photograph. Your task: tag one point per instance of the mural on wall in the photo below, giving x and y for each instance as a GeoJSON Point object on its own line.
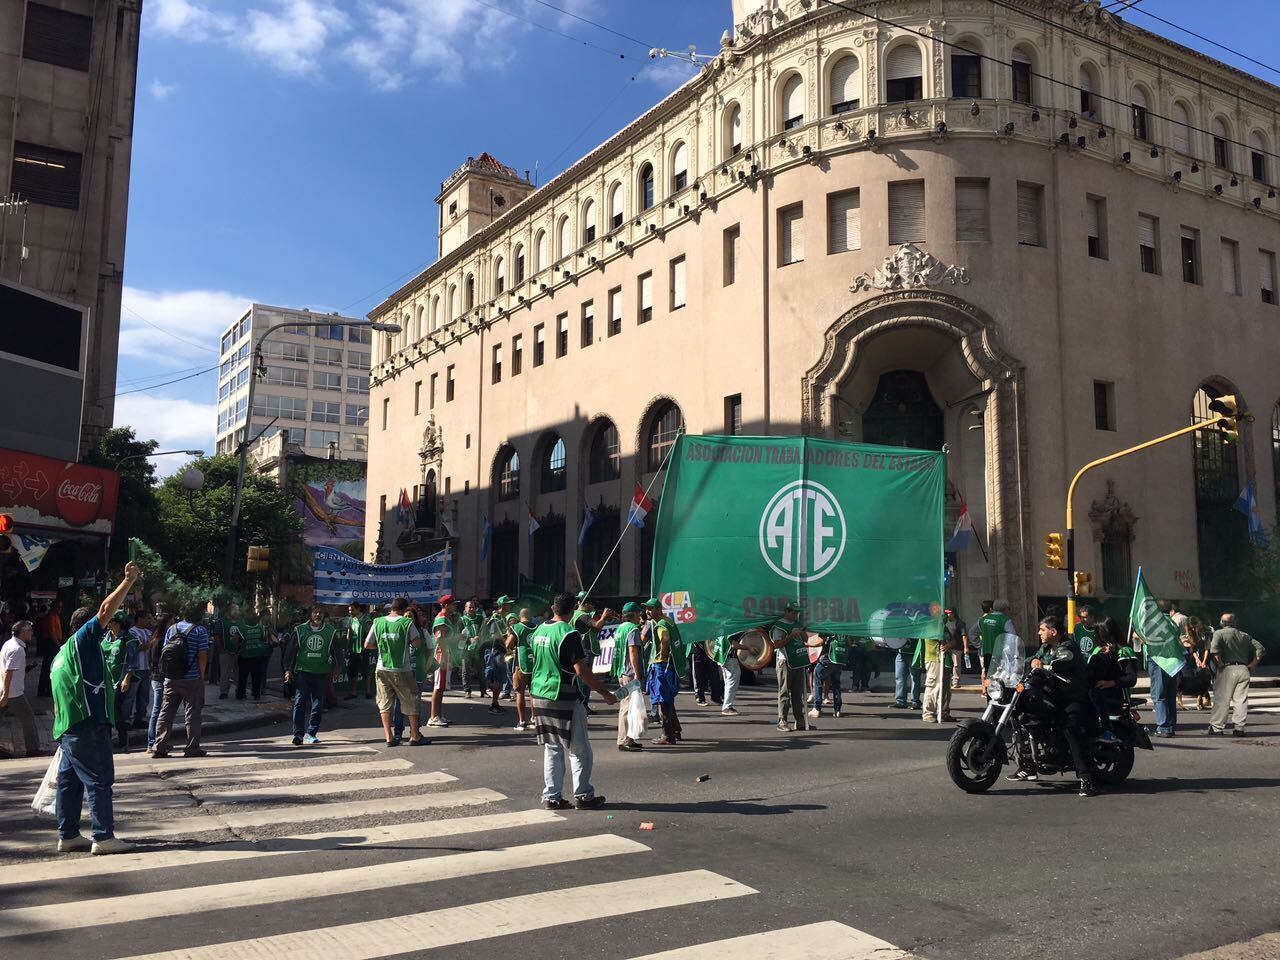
{"type": "Point", "coordinates": [329, 496]}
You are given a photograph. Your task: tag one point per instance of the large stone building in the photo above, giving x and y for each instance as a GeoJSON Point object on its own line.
{"type": "Point", "coordinates": [68, 71]}
{"type": "Point", "coordinates": [1020, 228]}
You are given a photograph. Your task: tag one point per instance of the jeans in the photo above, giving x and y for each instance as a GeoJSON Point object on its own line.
{"type": "Point", "coordinates": [133, 706]}
{"type": "Point", "coordinates": [157, 698]}
{"type": "Point", "coordinates": [732, 672]}
{"type": "Point", "coordinates": [86, 765]}
{"type": "Point", "coordinates": [252, 673]}
{"type": "Point", "coordinates": [826, 670]}
{"type": "Point", "coordinates": [906, 679]}
{"type": "Point", "coordinates": [308, 698]}
{"type": "Point", "coordinates": [580, 760]}
{"type": "Point", "coordinates": [1164, 698]}
{"type": "Point", "coordinates": [190, 693]}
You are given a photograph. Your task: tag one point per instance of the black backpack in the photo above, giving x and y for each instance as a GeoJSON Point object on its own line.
{"type": "Point", "coordinates": [175, 656]}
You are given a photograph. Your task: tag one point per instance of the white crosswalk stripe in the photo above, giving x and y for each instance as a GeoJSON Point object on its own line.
{"type": "Point", "coordinates": [815, 941]}
{"type": "Point", "coordinates": [235, 755]}
{"type": "Point", "coordinates": [310, 772]}
{"type": "Point", "coordinates": [283, 791]}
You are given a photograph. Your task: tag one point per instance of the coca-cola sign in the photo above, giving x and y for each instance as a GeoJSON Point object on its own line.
{"type": "Point", "coordinates": [46, 493]}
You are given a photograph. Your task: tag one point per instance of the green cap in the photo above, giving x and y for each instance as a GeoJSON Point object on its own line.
{"type": "Point", "coordinates": [632, 607]}
{"type": "Point", "coordinates": [121, 616]}
{"type": "Point", "coordinates": [582, 594]}
{"type": "Point", "coordinates": [503, 599]}
{"type": "Point", "coordinates": [791, 607]}
{"type": "Point", "coordinates": [653, 602]}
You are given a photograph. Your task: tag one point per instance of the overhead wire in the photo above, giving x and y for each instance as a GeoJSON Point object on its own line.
{"type": "Point", "coordinates": [541, 26]}
{"type": "Point", "coordinates": [169, 333]}
{"type": "Point", "coordinates": [156, 386]}
{"type": "Point", "coordinates": [600, 26]}
{"type": "Point", "coordinates": [1199, 36]}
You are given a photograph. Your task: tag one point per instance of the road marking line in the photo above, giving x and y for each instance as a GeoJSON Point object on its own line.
{"type": "Point", "coordinates": [302, 887]}
{"type": "Point", "coordinates": [218, 757]}
{"type": "Point", "coordinates": [156, 859]}
{"type": "Point", "coordinates": [828, 940]}
{"type": "Point", "coordinates": [288, 790]}
{"type": "Point", "coordinates": [417, 932]}
{"type": "Point", "coordinates": [214, 780]}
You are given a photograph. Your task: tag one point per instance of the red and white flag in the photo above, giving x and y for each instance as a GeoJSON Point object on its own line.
{"type": "Point", "coordinates": [534, 525]}
{"type": "Point", "coordinates": [640, 507]}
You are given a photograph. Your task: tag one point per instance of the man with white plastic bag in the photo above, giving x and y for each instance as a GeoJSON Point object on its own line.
{"type": "Point", "coordinates": [628, 655]}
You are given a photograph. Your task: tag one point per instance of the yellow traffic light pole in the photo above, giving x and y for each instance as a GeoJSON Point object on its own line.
{"type": "Point", "coordinates": [1229, 421]}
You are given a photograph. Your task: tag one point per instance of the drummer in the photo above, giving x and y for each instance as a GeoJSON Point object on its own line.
{"type": "Point", "coordinates": [790, 643]}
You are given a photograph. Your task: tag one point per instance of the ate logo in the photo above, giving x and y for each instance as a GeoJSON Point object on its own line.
{"type": "Point", "coordinates": [802, 532]}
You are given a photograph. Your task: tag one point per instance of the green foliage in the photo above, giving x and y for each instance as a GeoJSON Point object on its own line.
{"type": "Point", "coordinates": [136, 513]}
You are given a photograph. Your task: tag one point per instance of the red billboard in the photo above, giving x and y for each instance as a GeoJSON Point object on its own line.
{"type": "Point", "coordinates": [57, 495]}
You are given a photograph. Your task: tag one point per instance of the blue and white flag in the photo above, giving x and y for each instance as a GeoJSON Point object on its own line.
{"type": "Point", "coordinates": [1247, 504]}
{"type": "Point", "coordinates": [962, 535]}
{"type": "Point", "coordinates": [534, 525]}
{"type": "Point", "coordinates": [588, 518]}
{"type": "Point", "coordinates": [31, 549]}
{"type": "Point", "coordinates": [340, 579]}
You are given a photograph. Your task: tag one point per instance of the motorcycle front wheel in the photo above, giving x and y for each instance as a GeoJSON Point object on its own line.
{"type": "Point", "coordinates": [972, 765]}
{"type": "Point", "coordinates": [1113, 767]}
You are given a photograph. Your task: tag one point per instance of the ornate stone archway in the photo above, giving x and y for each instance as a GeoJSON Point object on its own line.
{"type": "Point", "coordinates": [1000, 378]}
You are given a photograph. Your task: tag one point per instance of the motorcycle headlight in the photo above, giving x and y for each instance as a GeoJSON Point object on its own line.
{"type": "Point", "coordinates": [995, 690]}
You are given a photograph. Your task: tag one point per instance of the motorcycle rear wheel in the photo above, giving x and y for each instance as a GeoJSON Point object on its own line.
{"type": "Point", "coordinates": [1113, 772]}
{"type": "Point", "coordinates": [966, 774]}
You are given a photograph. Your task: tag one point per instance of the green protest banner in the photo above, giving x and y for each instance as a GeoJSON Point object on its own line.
{"type": "Point", "coordinates": [852, 532]}
{"type": "Point", "coordinates": [536, 596]}
{"type": "Point", "coordinates": [1156, 628]}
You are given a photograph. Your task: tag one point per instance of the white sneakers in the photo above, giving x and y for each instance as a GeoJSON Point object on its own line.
{"type": "Point", "coordinates": [98, 847]}
{"type": "Point", "coordinates": [72, 844]}
{"type": "Point", "coordinates": [815, 713]}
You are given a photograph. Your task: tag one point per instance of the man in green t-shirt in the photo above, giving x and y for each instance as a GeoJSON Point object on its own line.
{"type": "Point", "coordinates": [1086, 633]}
{"type": "Point", "coordinates": [519, 632]}
{"type": "Point", "coordinates": [253, 639]}
{"type": "Point", "coordinates": [313, 656]}
{"type": "Point", "coordinates": [359, 660]}
{"type": "Point", "coordinates": [628, 666]}
{"type": "Point", "coordinates": [446, 630]}
{"type": "Point", "coordinates": [491, 651]}
{"type": "Point", "coordinates": [790, 643]}
{"type": "Point", "coordinates": [395, 638]}
{"type": "Point", "coordinates": [471, 625]}
{"type": "Point", "coordinates": [993, 623]}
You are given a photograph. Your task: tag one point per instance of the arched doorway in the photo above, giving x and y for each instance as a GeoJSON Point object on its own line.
{"type": "Point", "coordinates": [902, 413]}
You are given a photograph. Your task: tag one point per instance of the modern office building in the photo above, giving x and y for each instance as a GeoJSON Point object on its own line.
{"type": "Point", "coordinates": [314, 388]}
{"type": "Point", "coordinates": [68, 72]}
{"type": "Point", "coordinates": [1023, 230]}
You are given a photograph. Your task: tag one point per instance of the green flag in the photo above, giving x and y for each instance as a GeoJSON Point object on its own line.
{"type": "Point", "coordinates": [851, 532]}
{"type": "Point", "coordinates": [1156, 628]}
{"type": "Point", "coordinates": [535, 596]}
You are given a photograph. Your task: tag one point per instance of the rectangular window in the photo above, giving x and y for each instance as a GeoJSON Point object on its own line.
{"type": "Point", "coordinates": [321, 439]}
{"type": "Point", "coordinates": [645, 303]}
{"type": "Point", "coordinates": [358, 442]}
{"type": "Point", "coordinates": [1104, 405]}
{"type": "Point", "coordinates": [1148, 243]}
{"type": "Point", "coordinates": [732, 241]}
{"type": "Point", "coordinates": [331, 331]}
{"type": "Point", "coordinates": [1258, 161]}
{"type": "Point", "coordinates": [286, 377]}
{"type": "Point", "coordinates": [615, 311]}
{"type": "Point", "coordinates": [1140, 125]}
{"type": "Point", "coordinates": [359, 359]}
{"type": "Point", "coordinates": [431, 393]}
{"type": "Point", "coordinates": [966, 76]}
{"type": "Point", "coordinates": [1230, 267]}
{"type": "Point", "coordinates": [906, 212]}
{"type": "Point", "coordinates": [733, 415]}
{"type": "Point", "coordinates": [901, 89]}
{"type": "Point", "coordinates": [588, 331]}
{"type": "Point", "coordinates": [791, 234]}
{"type": "Point", "coordinates": [326, 381]}
{"type": "Point", "coordinates": [359, 335]}
{"type": "Point", "coordinates": [539, 344]}
{"type": "Point", "coordinates": [844, 221]}
{"type": "Point", "coordinates": [1095, 210]}
{"type": "Point", "coordinates": [497, 363]}
{"type": "Point", "coordinates": [562, 334]}
{"type": "Point", "coordinates": [417, 398]}
{"type": "Point", "coordinates": [448, 384]}
{"type": "Point", "coordinates": [1190, 255]}
{"type": "Point", "coordinates": [324, 411]}
{"type": "Point", "coordinates": [357, 415]}
{"type": "Point", "coordinates": [517, 354]}
{"type": "Point", "coordinates": [45, 175]}
{"type": "Point", "coordinates": [1021, 80]}
{"type": "Point", "coordinates": [57, 37]}
{"type": "Point", "coordinates": [328, 356]}
{"type": "Point", "coordinates": [1220, 152]}
{"type": "Point", "coordinates": [1031, 214]}
{"type": "Point", "coordinates": [973, 210]}
{"type": "Point", "coordinates": [1267, 275]}
{"type": "Point", "coordinates": [386, 412]}
{"type": "Point", "coordinates": [679, 294]}
{"type": "Point", "coordinates": [227, 341]}
{"type": "Point", "coordinates": [286, 408]}
{"type": "Point", "coordinates": [519, 268]}
{"type": "Point", "coordinates": [296, 352]}
{"type": "Point", "coordinates": [357, 384]}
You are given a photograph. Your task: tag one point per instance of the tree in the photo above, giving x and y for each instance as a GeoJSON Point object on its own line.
{"type": "Point", "coordinates": [193, 526]}
{"type": "Point", "coordinates": [136, 512]}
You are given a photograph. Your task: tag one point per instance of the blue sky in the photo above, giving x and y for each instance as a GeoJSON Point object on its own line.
{"type": "Point", "coordinates": [289, 151]}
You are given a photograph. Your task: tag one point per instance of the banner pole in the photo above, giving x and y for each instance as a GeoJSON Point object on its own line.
{"type": "Point", "coordinates": [627, 526]}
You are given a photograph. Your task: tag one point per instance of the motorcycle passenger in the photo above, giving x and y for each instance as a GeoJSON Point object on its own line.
{"type": "Point", "coordinates": [1062, 665]}
{"type": "Point", "coordinates": [1113, 670]}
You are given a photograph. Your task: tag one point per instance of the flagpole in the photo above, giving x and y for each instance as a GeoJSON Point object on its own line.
{"type": "Point", "coordinates": [625, 527]}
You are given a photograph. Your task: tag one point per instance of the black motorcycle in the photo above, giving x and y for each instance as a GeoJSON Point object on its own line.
{"type": "Point", "coordinates": [1022, 717]}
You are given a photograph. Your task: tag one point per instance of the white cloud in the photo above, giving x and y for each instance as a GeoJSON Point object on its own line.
{"type": "Point", "coordinates": [190, 323]}
{"type": "Point", "coordinates": [668, 73]}
{"type": "Point", "coordinates": [161, 90]}
{"type": "Point", "coordinates": [293, 38]}
{"type": "Point", "coordinates": [175, 423]}
{"type": "Point", "coordinates": [183, 18]}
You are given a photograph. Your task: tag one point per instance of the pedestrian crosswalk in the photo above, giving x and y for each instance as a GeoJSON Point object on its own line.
{"type": "Point", "coordinates": [256, 843]}
{"type": "Point", "coordinates": [1265, 701]}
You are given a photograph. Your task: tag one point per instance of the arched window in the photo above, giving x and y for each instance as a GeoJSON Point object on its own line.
{"type": "Point", "coordinates": [1222, 531]}
{"type": "Point", "coordinates": [588, 221]}
{"type": "Point", "coordinates": [552, 467]}
{"type": "Point", "coordinates": [846, 84]}
{"type": "Point", "coordinates": [540, 252]}
{"type": "Point", "coordinates": [417, 327]}
{"type": "Point", "coordinates": [1181, 128]}
{"type": "Point", "coordinates": [435, 313]}
{"type": "Point", "coordinates": [1088, 83]}
{"type": "Point", "coordinates": [616, 203]}
{"type": "Point", "coordinates": [470, 298]}
{"type": "Point", "coordinates": [499, 275]}
{"type": "Point", "coordinates": [679, 167]}
{"type": "Point", "coordinates": [1258, 158]}
{"type": "Point", "coordinates": [966, 71]}
{"type": "Point", "coordinates": [1221, 143]}
{"type": "Point", "coordinates": [564, 238]}
{"type": "Point", "coordinates": [604, 461]}
{"type": "Point", "coordinates": [451, 303]}
{"type": "Point", "coordinates": [1022, 74]}
{"type": "Point", "coordinates": [1141, 122]}
{"type": "Point", "coordinates": [646, 186]}
{"type": "Point", "coordinates": [791, 102]}
{"type": "Point", "coordinates": [406, 329]}
{"type": "Point", "coordinates": [664, 423]}
{"type": "Point", "coordinates": [903, 76]}
{"type": "Point", "coordinates": [732, 137]}
{"type": "Point", "coordinates": [518, 257]}
{"type": "Point", "coordinates": [507, 475]}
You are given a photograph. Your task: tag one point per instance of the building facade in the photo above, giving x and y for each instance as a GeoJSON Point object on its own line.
{"type": "Point", "coordinates": [314, 386]}
{"type": "Point", "coordinates": [68, 72]}
{"type": "Point", "coordinates": [1022, 231]}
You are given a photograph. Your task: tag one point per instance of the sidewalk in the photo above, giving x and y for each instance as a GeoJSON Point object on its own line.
{"type": "Point", "coordinates": [1267, 676]}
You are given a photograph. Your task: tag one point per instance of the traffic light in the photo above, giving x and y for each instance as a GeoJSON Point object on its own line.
{"type": "Point", "coordinates": [6, 523]}
{"type": "Point", "coordinates": [1227, 407]}
{"type": "Point", "coordinates": [259, 560]}
{"type": "Point", "coordinates": [1084, 584]}
{"type": "Point", "coordinates": [1054, 558]}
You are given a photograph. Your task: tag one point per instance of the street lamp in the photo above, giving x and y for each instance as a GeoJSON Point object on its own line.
{"type": "Point", "coordinates": [233, 529]}
{"type": "Point", "coordinates": [158, 453]}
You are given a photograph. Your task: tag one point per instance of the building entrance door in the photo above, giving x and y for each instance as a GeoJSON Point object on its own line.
{"type": "Point", "coordinates": [902, 413]}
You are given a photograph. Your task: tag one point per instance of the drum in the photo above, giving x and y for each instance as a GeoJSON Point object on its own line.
{"type": "Point", "coordinates": [756, 652]}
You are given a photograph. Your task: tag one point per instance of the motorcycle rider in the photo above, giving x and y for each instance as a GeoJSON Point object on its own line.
{"type": "Point", "coordinates": [1061, 664]}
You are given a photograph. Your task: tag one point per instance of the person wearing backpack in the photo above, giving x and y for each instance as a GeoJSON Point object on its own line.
{"type": "Point", "coordinates": [184, 660]}
{"type": "Point", "coordinates": [312, 656]}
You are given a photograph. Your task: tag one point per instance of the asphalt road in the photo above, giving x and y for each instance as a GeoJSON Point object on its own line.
{"type": "Point", "coordinates": [855, 822]}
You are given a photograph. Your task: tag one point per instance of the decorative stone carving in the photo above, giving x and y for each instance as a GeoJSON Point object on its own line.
{"type": "Point", "coordinates": [1090, 15]}
{"type": "Point", "coordinates": [910, 268]}
{"type": "Point", "coordinates": [1111, 517]}
{"type": "Point", "coordinates": [432, 450]}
